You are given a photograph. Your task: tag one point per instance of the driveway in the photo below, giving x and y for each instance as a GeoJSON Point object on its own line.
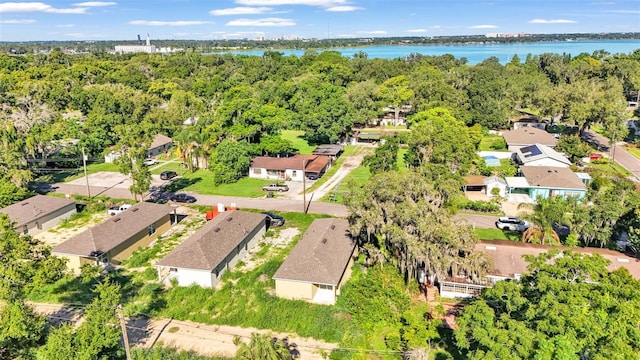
{"type": "Point", "coordinates": [619, 154]}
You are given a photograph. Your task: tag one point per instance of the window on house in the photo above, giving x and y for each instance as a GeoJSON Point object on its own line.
{"type": "Point", "coordinates": [294, 173]}
{"type": "Point", "coordinates": [38, 225]}
{"type": "Point", "coordinates": [325, 287]}
{"type": "Point", "coordinates": [173, 269]}
{"type": "Point", "coordinates": [152, 229]}
{"type": "Point", "coordinates": [25, 229]}
{"type": "Point", "coordinates": [257, 171]}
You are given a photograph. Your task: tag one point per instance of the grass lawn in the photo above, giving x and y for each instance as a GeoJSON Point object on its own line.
{"type": "Point", "coordinates": [349, 150]}
{"type": "Point", "coordinates": [610, 169]}
{"type": "Point", "coordinates": [400, 162]}
{"type": "Point", "coordinates": [201, 182]}
{"type": "Point", "coordinates": [295, 136]}
{"type": "Point", "coordinates": [497, 234]}
{"type": "Point", "coordinates": [488, 140]}
{"type": "Point", "coordinates": [357, 177]}
{"type": "Point", "coordinates": [635, 151]}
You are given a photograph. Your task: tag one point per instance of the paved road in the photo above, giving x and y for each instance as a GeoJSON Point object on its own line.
{"type": "Point", "coordinates": [621, 156]}
{"type": "Point", "coordinates": [275, 204]}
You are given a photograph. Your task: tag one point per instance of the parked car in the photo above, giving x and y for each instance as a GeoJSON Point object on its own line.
{"type": "Point", "coordinates": [273, 219]}
{"type": "Point", "coordinates": [183, 198]}
{"type": "Point", "coordinates": [563, 230]}
{"type": "Point", "coordinates": [168, 175]}
{"type": "Point", "coordinates": [113, 211]}
{"type": "Point", "coordinates": [150, 161]}
{"type": "Point", "coordinates": [512, 223]}
{"type": "Point", "coordinates": [312, 176]}
{"type": "Point", "coordinates": [276, 187]}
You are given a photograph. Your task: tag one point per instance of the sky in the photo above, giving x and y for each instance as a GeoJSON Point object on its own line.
{"type": "Point", "coordinates": [233, 19]}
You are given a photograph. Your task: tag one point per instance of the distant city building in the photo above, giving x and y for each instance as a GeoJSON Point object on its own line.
{"type": "Point", "coordinates": [127, 49]}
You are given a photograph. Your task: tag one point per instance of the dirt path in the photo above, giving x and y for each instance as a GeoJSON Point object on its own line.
{"type": "Point", "coordinates": [207, 340]}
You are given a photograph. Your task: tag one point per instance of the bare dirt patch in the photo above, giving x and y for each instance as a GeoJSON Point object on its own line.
{"type": "Point", "coordinates": [280, 239]}
{"type": "Point", "coordinates": [58, 234]}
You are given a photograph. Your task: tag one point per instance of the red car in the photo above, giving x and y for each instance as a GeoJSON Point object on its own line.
{"type": "Point", "coordinates": [595, 156]}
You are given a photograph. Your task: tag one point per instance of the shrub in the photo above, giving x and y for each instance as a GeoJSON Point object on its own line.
{"type": "Point", "coordinates": [479, 205]}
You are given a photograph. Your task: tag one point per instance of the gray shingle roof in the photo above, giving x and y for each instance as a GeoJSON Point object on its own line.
{"type": "Point", "coordinates": [160, 140]}
{"type": "Point", "coordinates": [321, 255]}
{"type": "Point", "coordinates": [551, 177]}
{"type": "Point", "coordinates": [114, 231]}
{"type": "Point", "coordinates": [507, 256]}
{"type": "Point", "coordinates": [33, 208]}
{"type": "Point", "coordinates": [528, 136]}
{"type": "Point", "coordinates": [208, 247]}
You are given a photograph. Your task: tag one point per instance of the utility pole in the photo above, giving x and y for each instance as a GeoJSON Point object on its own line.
{"type": "Point", "coordinates": [304, 186]}
{"type": "Point", "coordinates": [84, 165]}
{"type": "Point", "coordinates": [125, 338]}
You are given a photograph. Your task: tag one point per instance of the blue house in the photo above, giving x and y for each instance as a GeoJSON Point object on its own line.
{"type": "Point", "coordinates": [546, 181]}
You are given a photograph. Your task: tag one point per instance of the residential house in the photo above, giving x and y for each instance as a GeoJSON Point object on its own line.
{"type": "Point", "coordinates": [160, 145]}
{"type": "Point", "coordinates": [39, 213]}
{"type": "Point", "coordinates": [331, 150]}
{"type": "Point", "coordinates": [116, 238]}
{"type": "Point", "coordinates": [319, 265]}
{"type": "Point", "coordinates": [527, 136]}
{"type": "Point", "coordinates": [485, 184]}
{"type": "Point", "coordinates": [545, 181]}
{"type": "Point", "coordinates": [288, 168]}
{"type": "Point", "coordinates": [540, 155]}
{"type": "Point", "coordinates": [394, 116]}
{"type": "Point", "coordinates": [216, 247]}
{"type": "Point", "coordinates": [508, 263]}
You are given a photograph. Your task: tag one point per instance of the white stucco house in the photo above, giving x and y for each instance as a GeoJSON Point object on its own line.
{"type": "Point", "coordinates": [540, 155]}
{"type": "Point", "coordinates": [215, 248]}
{"type": "Point", "coordinates": [288, 168]}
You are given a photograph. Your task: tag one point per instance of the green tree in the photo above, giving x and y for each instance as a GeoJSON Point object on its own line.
{"type": "Point", "coordinates": [230, 161]}
{"type": "Point", "coordinates": [395, 93]}
{"type": "Point", "coordinates": [97, 337]}
{"type": "Point", "coordinates": [402, 215]}
{"type": "Point", "coordinates": [437, 138]}
{"type": "Point", "coordinates": [565, 307]}
{"type": "Point", "coordinates": [385, 157]}
{"type": "Point", "coordinates": [573, 147]}
{"type": "Point", "coordinates": [261, 347]}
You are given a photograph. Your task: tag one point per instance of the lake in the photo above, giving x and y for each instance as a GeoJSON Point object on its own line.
{"type": "Point", "coordinates": [476, 53]}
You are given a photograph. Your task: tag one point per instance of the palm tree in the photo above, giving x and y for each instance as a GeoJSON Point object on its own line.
{"type": "Point", "coordinates": [261, 347]}
{"type": "Point", "coordinates": [546, 212]}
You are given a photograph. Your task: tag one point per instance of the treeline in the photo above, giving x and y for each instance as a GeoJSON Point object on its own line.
{"type": "Point", "coordinates": [242, 102]}
{"type": "Point", "coordinates": [281, 44]}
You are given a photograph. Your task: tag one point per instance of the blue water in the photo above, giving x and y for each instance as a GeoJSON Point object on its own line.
{"type": "Point", "coordinates": [478, 52]}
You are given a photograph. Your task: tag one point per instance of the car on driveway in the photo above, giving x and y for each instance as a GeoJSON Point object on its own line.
{"type": "Point", "coordinates": [276, 187]}
{"type": "Point", "coordinates": [149, 162]}
{"type": "Point", "coordinates": [512, 224]}
{"type": "Point", "coordinates": [168, 175]}
{"type": "Point", "coordinates": [273, 219]}
{"type": "Point", "coordinates": [183, 198]}
{"type": "Point", "coordinates": [312, 176]}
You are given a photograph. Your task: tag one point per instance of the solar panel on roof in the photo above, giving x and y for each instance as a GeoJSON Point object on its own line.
{"type": "Point", "coordinates": [529, 151]}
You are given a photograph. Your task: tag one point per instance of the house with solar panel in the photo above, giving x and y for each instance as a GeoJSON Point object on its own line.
{"type": "Point", "coordinates": [540, 155]}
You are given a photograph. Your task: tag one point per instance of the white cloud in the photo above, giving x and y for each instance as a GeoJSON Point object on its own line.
{"type": "Point", "coordinates": [483, 27]}
{"type": "Point", "coordinates": [319, 3]}
{"type": "Point", "coordinates": [38, 7]}
{"type": "Point", "coordinates": [96, 4]}
{"type": "Point", "coordinates": [416, 31]}
{"type": "Point", "coordinates": [167, 23]}
{"type": "Point", "coordinates": [374, 32]}
{"type": "Point", "coordinates": [65, 26]}
{"type": "Point", "coordinates": [554, 21]}
{"type": "Point", "coordinates": [262, 22]}
{"type": "Point", "coordinates": [243, 10]}
{"type": "Point", "coordinates": [343, 8]}
{"type": "Point", "coordinates": [623, 11]}
{"type": "Point", "coordinates": [18, 21]}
